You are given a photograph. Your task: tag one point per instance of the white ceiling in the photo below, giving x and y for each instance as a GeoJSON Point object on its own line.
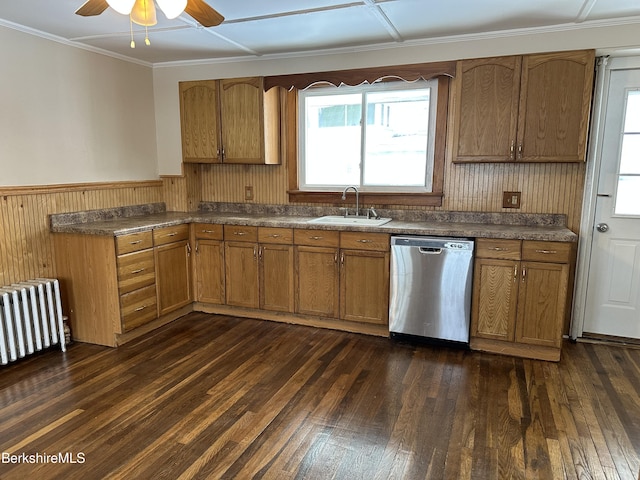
{"type": "Point", "coordinates": [254, 28]}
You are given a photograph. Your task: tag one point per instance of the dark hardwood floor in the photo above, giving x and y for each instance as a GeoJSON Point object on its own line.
{"type": "Point", "coordinates": [220, 397]}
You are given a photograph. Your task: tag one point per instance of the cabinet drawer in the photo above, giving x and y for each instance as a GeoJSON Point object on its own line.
{"type": "Point", "coordinates": [275, 235]}
{"type": "Point", "coordinates": [554, 252]}
{"type": "Point", "coordinates": [136, 270]}
{"type": "Point", "coordinates": [323, 238]}
{"type": "Point", "coordinates": [134, 242]}
{"type": "Point", "coordinates": [365, 241]}
{"type": "Point", "coordinates": [207, 231]}
{"type": "Point", "coordinates": [241, 233]}
{"type": "Point", "coordinates": [498, 248]}
{"type": "Point", "coordinates": [162, 236]}
{"type": "Point", "coordinates": [138, 307]}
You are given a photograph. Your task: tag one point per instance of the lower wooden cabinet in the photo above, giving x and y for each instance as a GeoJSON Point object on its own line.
{"type": "Point", "coordinates": [343, 275]}
{"type": "Point", "coordinates": [208, 264]}
{"type": "Point", "coordinates": [520, 297]}
{"type": "Point", "coordinates": [364, 277]}
{"type": "Point", "coordinates": [276, 277]}
{"type": "Point", "coordinates": [317, 281]}
{"type": "Point", "coordinates": [241, 274]}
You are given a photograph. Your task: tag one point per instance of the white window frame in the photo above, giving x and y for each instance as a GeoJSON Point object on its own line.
{"type": "Point", "coordinates": [427, 187]}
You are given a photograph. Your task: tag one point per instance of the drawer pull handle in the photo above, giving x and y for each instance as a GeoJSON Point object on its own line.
{"type": "Point", "coordinates": [140, 270]}
{"type": "Point", "coordinates": [139, 309]}
{"type": "Point", "coordinates": [316, 238]}
{"type": "Point", "coordinates": [207, 231]}
{"type": "Point", "coordinates": [172, 234]}
{"type": "Point", "coordinates": [135, 242]}
{"type": "Point", "coordinates": [275, 235]}
{"type": "Point", "coordinates": [546, 252]}
{"type": "Point", "coordinates": [240, 233]}
{"type": "Point", "coordinates": [499, 249]}
{"type": "Point", "coordinates": [364, 240]}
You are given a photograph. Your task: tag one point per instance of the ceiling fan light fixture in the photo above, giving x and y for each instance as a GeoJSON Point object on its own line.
{"type": "Point", "coordinates": [144, 13]}
{"type": "Point", "coordinates": [122, 6]}
{"type": "Point", "coordinates": [172, 8]}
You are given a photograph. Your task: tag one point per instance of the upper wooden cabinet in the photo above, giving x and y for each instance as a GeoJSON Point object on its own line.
{"type": "Point", "coordinates": [532, 108]}
{"type": "Point", "coordinates": [230, 121]}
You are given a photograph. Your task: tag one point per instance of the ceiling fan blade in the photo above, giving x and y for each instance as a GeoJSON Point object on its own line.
{"type": "Point", "coordinates": [203, 13]}
{"type": "Point", "coordinates": [92, 7]}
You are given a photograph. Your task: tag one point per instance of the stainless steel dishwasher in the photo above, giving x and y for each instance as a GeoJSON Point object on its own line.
{"type": "Point", "coordinates": [430, 287]}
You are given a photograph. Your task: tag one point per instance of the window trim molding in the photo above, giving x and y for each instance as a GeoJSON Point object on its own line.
{"type": "Point", "coordinates": [433, 198]}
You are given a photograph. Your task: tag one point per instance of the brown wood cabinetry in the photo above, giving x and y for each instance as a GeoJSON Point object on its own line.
{"type": "Point", "coordinates": [230, 121]}
{"type": "Point", "coordinates": [115, 285]}
{"type": "Point", "coordinates": [343, 275]}
{"type": "Point", "coordinates": [520, 296]}
{"type": "Point", "coordinates": [208, 264]}
{"type": "Point", "coordinates": [317, 274]}
{"type": "Point", "coordinates": [241, 266]}
{"type": "Point", "coordinates": [532, 108]}
{"type": "Point", "coordinates": [276, 284]}
{"type": "Point", "coordinates": [364, 277]}
{"type": "Point", "coordinates": [172, 255]}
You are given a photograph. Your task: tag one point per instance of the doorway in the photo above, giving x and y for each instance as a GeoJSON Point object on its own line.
{"type": "Point", "coordinates": [610, 250]}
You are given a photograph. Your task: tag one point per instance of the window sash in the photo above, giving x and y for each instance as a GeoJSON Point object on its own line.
{"type": "Point", "coordinates": [363, 91]}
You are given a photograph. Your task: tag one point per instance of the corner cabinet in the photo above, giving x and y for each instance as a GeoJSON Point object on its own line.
{"type": "Point", "coordinates": [117, 288]}
{"type": "Point", "coordinates": [230, 121]}
{"type": "Point", "coordinates": [172, 252]}
{"type": "Point", "coordinates": [208, 264]}
{"type": "Point", "coordinates": [532, 108]}
{"type": "Point", "coordinates": [520, 296]}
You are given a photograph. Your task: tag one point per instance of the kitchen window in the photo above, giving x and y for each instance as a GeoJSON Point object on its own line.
{"type": "Point", "coordinates": [379, 137]}
{"type": "Point", "coordinates": [424, 184]}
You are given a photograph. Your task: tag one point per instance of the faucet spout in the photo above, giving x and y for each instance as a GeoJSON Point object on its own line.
{"type": "Point", "coordinates": [344, 197]}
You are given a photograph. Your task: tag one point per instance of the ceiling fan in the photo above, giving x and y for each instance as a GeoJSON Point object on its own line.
{"type": "Point", "coordinates": [198, 9]}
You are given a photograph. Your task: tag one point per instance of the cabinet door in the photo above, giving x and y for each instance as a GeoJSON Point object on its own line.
{"type": "Point", "coordinates": [209, 271]}
{"type": "Point", "coordinates": [172, 276]}
{"type": "Point", "coordinates": [276, 277]}
{"type": "Point", "coordinates": [317, 277]}
{"type": "Point", "coordinates": [555, 101]}
{"type": "Point", "coordinates": [541, 303]}
{"type": "Point", "coordinates": [486, 110]}
{"type": "Point", "coordinates": [364, 286]}
{"type": "Point", "coordinates": [495, 297]}
{"type": "Point", "coordinates": [200, 121]}
{"type": "Point", "coordinates": [242, 114]}
{"type": "Point", "coordinates": [241, 274]}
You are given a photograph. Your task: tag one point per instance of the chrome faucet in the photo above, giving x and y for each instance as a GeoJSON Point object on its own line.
{"type": "Point", "coordinates": [344, 197]}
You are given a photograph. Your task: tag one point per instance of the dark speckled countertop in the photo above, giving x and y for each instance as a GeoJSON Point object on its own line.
{"type": "Point", "coordinates": [121, 221]}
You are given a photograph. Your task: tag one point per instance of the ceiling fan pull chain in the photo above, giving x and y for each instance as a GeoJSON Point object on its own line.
{"type": "Point", "coordinates": [133, 43]}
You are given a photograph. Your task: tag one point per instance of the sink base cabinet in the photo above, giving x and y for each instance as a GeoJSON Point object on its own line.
{"type": "Point", "coordinates": [317, 281]}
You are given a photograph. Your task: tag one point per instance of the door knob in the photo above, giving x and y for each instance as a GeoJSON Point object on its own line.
{"type": "Point", "coordinates": [602, 227]}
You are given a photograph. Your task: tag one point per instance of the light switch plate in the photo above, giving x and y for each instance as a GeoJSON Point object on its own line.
{"type": "Point", "coordinates": [248, 192]}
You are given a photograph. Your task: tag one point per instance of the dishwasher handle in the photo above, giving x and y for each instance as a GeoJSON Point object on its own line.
{"type": "Point", "coordinates": [430, 250]}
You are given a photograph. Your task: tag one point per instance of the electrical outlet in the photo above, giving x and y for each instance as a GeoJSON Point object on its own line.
{"type": "Point", "coordinates": [248, 192]}
{"type": "Point", "coordinates": [511, 200]}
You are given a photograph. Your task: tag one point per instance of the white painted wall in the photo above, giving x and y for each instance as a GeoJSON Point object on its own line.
{"type": "Point", "coordinates": [68, 115]}
{"type": "Point", "coordinates": [166, 77]}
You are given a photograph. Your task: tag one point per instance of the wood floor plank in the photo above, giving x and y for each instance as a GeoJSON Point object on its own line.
{"type": "Point", "coordinates": [226, 398]}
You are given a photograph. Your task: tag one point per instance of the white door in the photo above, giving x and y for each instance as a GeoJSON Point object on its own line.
{"type": "Point", "coordinates": [613, 289]}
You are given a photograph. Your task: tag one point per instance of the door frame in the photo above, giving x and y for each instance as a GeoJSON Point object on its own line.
{"type": "Point", "coordinates": [605, 65]}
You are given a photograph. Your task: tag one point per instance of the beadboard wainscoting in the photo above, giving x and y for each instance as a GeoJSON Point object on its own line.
{"type": "Point", "coordinates": [545, 187]}
{"type": "Point", "coordinates": [26, 247]}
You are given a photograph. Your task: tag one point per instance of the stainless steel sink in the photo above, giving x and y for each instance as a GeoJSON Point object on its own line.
{"type": "Point", "coordinates": [340, 220]}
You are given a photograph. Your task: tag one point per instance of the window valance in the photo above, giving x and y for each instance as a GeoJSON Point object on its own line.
{"type": "Point", "coordinates": [411, 72]}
